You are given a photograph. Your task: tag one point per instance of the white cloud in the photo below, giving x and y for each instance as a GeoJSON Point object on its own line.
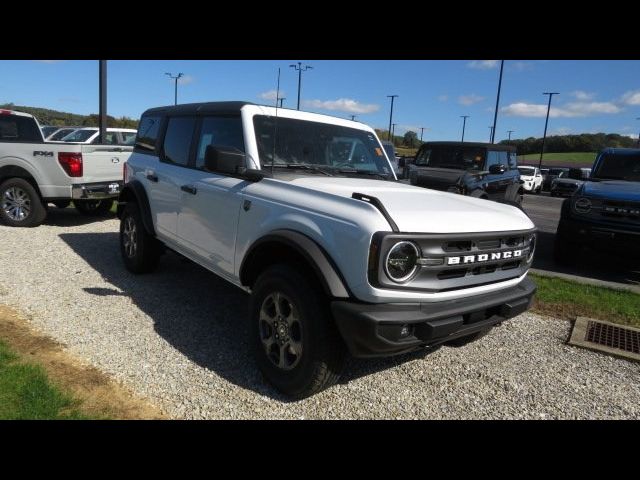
{"type": "Point", "coordinates": [469, 99]}
{"type": "Point", "coordinates": [631, 98]}
{"type": "Point", "coordinates": [582, 95]}
{"type": "Point", "coordinates": [342, 105]}
{"type": "Point", "coordinates": [483, 64]}
{"type": "Point", "coordinates": [272, 94]}
{"type": "Point", "coordinates": [561, 131]}
{"type": "Point", "coordinates": [186, 80]}
{"type": "Point", "coordinates": [630, 135]}
{"type": "Point", "coordinates": [568, 110]}
{"type": "Point", "coordinates": [443, 98]}
{"type": "Point", "coordinates": [520, 66]}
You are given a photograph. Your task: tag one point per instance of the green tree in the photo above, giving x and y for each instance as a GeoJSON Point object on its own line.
{"type": "Point", "coordinates": [410, 139]}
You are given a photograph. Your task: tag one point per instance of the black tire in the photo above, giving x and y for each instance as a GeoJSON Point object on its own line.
{"type": "Point", "coordinates": [96, 208]}
{"type": "Point", "coordinates": [322, 352]}
{"type": "Point", "coordinates": [62, 203]}
{"type": "Point", "coordinates": [462, 341]}
{"type": "Point", "coordinates": [145, 254]}
{"type": "Point", "coordinates": [20, 204]}
{"type": "Point", "coordinates": [564, 251]}
{"type": "Point", "coordinates": [538, 190]}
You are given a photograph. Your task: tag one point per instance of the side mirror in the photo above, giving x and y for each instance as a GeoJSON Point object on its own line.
{"type": "Point", "coordinates": [497, 169]}
{"type": "Point", "coordinates": [222, 159]}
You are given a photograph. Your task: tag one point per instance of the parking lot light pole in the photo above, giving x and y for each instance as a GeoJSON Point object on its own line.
{"type": "Point", "coordinates": [510, 132]}
{"type": "Point", "coordinates": [546, 123]}
{"type": "Point", "coordinates": [353, 117]}
{"type": "Point", "coordinates": [495, 114]}
{"type": "Point", "coordinates": [490, 133]}
{"type": "Point", "coordinates": [638, 118]}
{"type": "Point", "coordinates": [300, 68]}
{"type": "Point", "coordinates": [421, 132]}
{"type": "Point", "coordinates": [176, 78]}
{"type": "Point", "coordinates": [464, 124]}
{"type": "Point", "coordinates": [393, 133]}
{"type": "Point", "coordinates": [102, 104]}
{"type": "Point", "coordinates": [281, 99]}
{"type": "Point", "coordinates": [392, 97]}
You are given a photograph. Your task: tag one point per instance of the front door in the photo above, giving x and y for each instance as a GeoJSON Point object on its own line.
{"type": "Point", "coordinates": [210, 202]}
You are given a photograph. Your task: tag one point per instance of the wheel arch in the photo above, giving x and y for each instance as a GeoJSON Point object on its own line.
{"type": "Point", "coordinates": [134, 192]}
{"type": "Point", "coordinates": [288, 246]}
{"type": "Point", "coordinates": [14, 171]}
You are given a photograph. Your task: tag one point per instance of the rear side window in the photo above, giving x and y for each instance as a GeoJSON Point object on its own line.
{"type": "Point", "coordinates": [15, 128]}
{"type": "Point", "coordinates": [220, 131]}
{"type": "Point", "coordinates": [496, 158]}
{"type": "Point", "coordinates": [513, 160]}
{"type": "Point", "coordinates": [148, 132]}
{"type": "Point", "coordinates": [177, 140]}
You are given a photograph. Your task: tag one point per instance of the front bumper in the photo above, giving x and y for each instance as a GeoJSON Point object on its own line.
{"type": "Point", "coordinates": [602, 235]}
{"type": "Point", "coordinates": [374, 330]}
{"type": "Point", "coordinates": [96, 191]}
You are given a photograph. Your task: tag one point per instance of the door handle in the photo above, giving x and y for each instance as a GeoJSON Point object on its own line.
{"type": "Point", "coordinates": [152, 177]}
{"type": "Point", "coordinates": [189, 189]}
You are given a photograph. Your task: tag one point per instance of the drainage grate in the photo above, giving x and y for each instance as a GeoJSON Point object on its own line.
{"type": "Point", "coordinates": [613, 337]}
{"type": "Point", "coordinates": [606, 337]}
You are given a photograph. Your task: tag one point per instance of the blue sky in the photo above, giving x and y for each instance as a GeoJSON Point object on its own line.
{"type": "Point", "coordinates": [595, 96]}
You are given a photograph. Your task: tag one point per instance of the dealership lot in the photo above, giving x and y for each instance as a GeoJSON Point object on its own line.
{"type": "Point", "coordinates": [179, 337]}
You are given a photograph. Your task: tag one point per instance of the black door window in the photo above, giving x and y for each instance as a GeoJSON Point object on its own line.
{"type": "Point", "coordinates": [177, 141]}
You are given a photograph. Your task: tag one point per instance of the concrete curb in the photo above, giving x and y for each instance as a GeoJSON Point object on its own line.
{"type": "Point", "coordinates": [588, 281]}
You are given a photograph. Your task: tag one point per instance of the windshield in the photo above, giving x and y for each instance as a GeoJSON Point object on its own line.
{"type": "Point", "coordinates": [619, 167]}
{"type": "Point", "coordinates": [452, 156]}
{"type": "Point", "coordinates": [128, 138]}
{"type": "Point", "coordinates": [527, 171]}
{"type": "Point", "coordinates": [79, 136]}
{"type": "Point", "coordinates": [324, 147]}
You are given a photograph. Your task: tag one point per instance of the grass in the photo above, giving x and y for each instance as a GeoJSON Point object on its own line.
{"type": "Point", "coordinates": [566, 299]}
{"type": "Point", "coordinates": [27, 393]}
{"type": "Point", "coordinates": [567, 157]}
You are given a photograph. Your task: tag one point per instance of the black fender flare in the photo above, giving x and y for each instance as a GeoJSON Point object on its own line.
{"type": "Point", "coordinates": [479, 193]}
{"type": "Point", "coordinates": [324, 267]}
{"type": "Point", "coordinates": [513, 192]}
{"type": "Point", "coordinates": [134, 190]}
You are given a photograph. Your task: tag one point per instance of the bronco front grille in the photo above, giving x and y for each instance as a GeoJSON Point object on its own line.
{"type": "Point", "coordinates": [621, 209]}
{"type": "Point", "coordinates": [450, 262]}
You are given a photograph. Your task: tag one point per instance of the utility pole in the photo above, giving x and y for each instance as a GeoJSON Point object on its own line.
{"type": "Point", "coordinates": [393, 133]}
{"type": "Point", "coordinates": [510, 132]}
{"type": "Point", "coordinates": [546, 122]}
{"type": "Point", "coordinates": [353, 117]}
{"type": "Point", "coordinates": [392, 97]}
{"type": "Point", "coordinates": [464, 124]}
{"type": "Point", "coordinates": [421, 132]}
{"type": "Point", "coordinates": [495, 114]}
{"type": "Point", "coordinates": [102, 103]}
{"type": "Point", "coordinates": [300, 68]}
{"type": "Point", "coordinates": [490, 133]}
{"type": "Point", "coordinates": [176, 78]}
{"type": "Point", "coordinates": [638, 118]}
{"type": "Point", "coordinates": [281, 99]}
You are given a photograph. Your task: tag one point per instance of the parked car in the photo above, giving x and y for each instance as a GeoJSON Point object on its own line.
{"type": "Point", "coordinates": [550, 176]}
{"type": "Point", "coordinates": [48, 130]}
{"type": "Point", "coordinates": [114, 136]}
{"type": "Point", "coordinates": [605, 212]}
{"type": "Point", "coordinates": [481, 170]}
{"type": "Point", "coordinates": [567, 184]}
{"type": "Point", "coordinates": [60, 133]}
{"type": "Point", "coordinates": [531, 178]}
{"type": "Point", "coordinates": [302, 210]}
{"type": "Point", "coordinates": [34, 173]}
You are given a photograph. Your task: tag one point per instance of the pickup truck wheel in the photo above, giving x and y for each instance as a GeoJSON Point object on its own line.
{"type": "Point", "coordinates": [93, 207]}
{"type": "Point", "coordinates": [20, 204]}
{"type": "Point", "coordinates": [140, 251]}
{"type": "Point", "coordinates": [296, 344]}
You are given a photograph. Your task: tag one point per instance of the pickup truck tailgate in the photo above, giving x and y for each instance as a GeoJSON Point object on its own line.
{"type": "Point", "coordinates": [103, 162]}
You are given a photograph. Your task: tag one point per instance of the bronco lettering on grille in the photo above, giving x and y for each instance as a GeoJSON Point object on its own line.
{"type": "Point", "coordinates": [484, 257]}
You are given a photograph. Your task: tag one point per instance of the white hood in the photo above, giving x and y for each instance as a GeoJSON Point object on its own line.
{"type": "Point", "coordinates": [417, 209]}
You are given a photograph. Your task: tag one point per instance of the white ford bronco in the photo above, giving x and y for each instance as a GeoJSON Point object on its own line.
{"type": "Point", "coordinates": [34, 173]}
{"type": "Point", "coordinates": [304, 212]}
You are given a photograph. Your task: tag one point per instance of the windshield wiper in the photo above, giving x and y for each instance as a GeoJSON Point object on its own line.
{"type": "Point", "coordinates": [363, 172]}
{"type": "Point", "coordinates": [301, 166]}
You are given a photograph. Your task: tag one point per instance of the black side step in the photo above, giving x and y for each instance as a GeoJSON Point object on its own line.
{"type": "Point", "coordinates": [378, 204]}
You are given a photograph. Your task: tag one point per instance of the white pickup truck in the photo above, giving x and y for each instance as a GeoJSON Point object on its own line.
{"type": "Point", "coordinates": [34, 173]}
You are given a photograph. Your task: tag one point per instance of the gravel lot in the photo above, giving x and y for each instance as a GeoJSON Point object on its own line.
{"type": "Point", "coordinates": [179, 337]}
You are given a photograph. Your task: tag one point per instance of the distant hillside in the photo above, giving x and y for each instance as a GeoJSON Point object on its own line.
{"type": "Point", "coordinates": [54, 117]}
{"type": "Point", "coordinates": [585, 142]}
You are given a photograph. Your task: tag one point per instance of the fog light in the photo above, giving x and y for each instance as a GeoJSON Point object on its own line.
{"type": "Point", "coordinates": [405, 331]}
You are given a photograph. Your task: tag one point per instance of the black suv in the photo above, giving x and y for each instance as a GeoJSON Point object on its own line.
{"type": "Point", "coordinates": [482, 170]}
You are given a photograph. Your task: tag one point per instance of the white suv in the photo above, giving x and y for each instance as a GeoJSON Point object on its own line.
{"type": "Point", "coordinates": [531, 179]}
{"type": "Point", "coordinates": [304, 212]}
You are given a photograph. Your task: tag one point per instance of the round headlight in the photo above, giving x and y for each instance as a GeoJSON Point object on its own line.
{"type": "Point", "coordinates": [402, 261]}
{"type": "Point", "coordinates": [582, 205]}
{"type": "Point", "coordinates": [532, 248]}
